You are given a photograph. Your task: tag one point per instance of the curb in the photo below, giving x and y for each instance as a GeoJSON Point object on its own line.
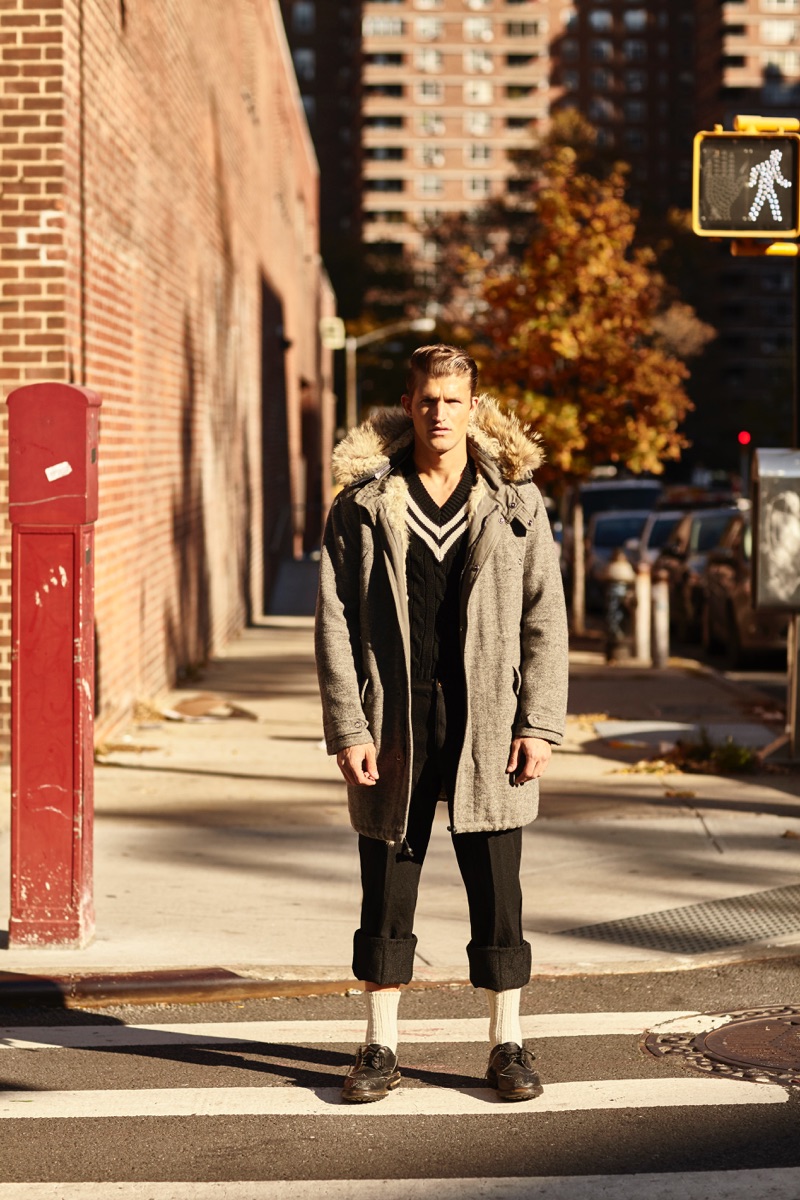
{"type": "Point", "coordinates": [192, 986]}
{"type": "Point", "coordinates": [218, 984]}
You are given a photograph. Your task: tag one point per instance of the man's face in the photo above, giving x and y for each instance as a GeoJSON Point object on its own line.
{"type": "Point", "coordinates": [440, 410]}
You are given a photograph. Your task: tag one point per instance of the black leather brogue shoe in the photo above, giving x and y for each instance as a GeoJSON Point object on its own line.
{"type": "Point", "coordinates": [511, 1072]}
{"type": "Point", "coordinates": [373, 1075]}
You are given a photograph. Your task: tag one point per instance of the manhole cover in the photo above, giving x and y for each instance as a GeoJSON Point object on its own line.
{"type": "Point", "coordinates": [757, 1045]}
{"type": "Point", "coordinates": [773, 1043]}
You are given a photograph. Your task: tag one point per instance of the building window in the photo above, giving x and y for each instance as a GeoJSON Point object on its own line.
{"type": "Point", "coordinates": [305, 63]}
{"type": "Point", "coordinates": [303, 16]}
{"type": "Point", "coordinates": [393, 90]}
{"type": "Point", "coordinates": [786, 61]}
{"type": "Point", "coordinates": [569, 19]}
{"type": "Point", "coordinates": [310, 107]}
{"type": "Point", "coordinates": [635, 81]}
{"type": "Point", "coordinates": [600, 79]}
{"type": "Point", "coordinates": [428, 59]}
{"type": "Point", "coordinates": [478, 91]}
{"type": "Point", "coordinates": [601, 20]}
{"type": "Point", "coordinates": [478, 62]}
{"type": "Point", "coordinates": [477, 185]}
{"type": "Point", "coordinates": [635, 19]}
{"type": "Point", "coordinates": [430, 91]}
{"type": "Point", "coordinates": [430, 185]}
{"type": "Point", "coordinates": [601, 50]}
{"type": "Point", "coordinates": [570, 80]}
{"type": "Point", "coordinates": [780, 5]}
{"type": "Point", "coordinates": [430, 156]}
{"type": "Point", "coordinates": [477, 153]}
{"type": "Point", "coordinates": [392, 216]}
{"type": "Point", "coordinates": [385, 153]}
{"type": "Point", "coordinates": [635, 50]}
{"type": "Point", "coordinates": [635, 110]}
{"type": "Point", "coordinates": [520, 60]}
{"type": "Point", "coordinates": [778, 33]}
{"type": "Point", "coordinates": [428, 29]}
{"type": "Point", "coordinates": [384, 185]}
{"type": "Point", "coordinates": [569, 49]}
{"type": "Point", "coordinates": [519, 122]}
{"type": "Point", "coordinates": [427, 3]}
{"type": "Point", "coordinates": [477, 4]}
{"type": "Point", "coordinates": [522, 28]}
{"type": "Point", "coordinates": [430, 123]}
{"type": "Point", "coordinates": [478, 29]}
{"type": "Point", "coordinates": [478, 123]}
{"type": "Point", "coordinates": [384, 121]}
{"type": "Point", "coordinates": [383, 27]}
{"type": "Point", "coordinates": [634, 139]}
{"type": "Point", "coordinates": [601, 109]}
{"type": "Point", "coordinates": [518, 91]}
{"type": "Point", "coordinates": [384, 60]}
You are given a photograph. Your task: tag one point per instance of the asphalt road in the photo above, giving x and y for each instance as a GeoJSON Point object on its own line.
{"type": "Point", "coordinates": [191, 1109]}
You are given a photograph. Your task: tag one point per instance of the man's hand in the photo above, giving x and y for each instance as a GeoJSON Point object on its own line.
{"type": "Point", "coordinates": [359, 764]}
{"type": "Point", "coordinates": [528, 759]}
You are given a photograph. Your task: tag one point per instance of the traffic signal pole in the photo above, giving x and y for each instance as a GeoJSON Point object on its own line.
{"type": "Point", "coordinates": [746, 186]}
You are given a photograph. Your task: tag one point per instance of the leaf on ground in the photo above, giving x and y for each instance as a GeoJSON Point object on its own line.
{"type": "Point", "coordinates": [673, 795]}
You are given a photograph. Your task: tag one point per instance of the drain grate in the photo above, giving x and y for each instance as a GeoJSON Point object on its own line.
{"type": "Point", "coordinates": [699, 928]}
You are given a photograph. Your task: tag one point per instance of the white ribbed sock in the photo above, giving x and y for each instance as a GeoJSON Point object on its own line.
{"type": "Point", "coordinates": [504, 1025]}
{"type": "Point", "coordinates": [382, 1018]}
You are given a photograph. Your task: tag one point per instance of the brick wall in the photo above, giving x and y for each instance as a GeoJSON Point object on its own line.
{"type": "Point", "coordinates": [159, 232]}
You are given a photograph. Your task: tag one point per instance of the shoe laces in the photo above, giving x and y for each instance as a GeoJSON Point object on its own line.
{"type": "Point", "coordinates": [374, 1058]}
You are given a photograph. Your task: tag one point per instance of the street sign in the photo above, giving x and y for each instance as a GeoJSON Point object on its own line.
{"type": "Point", "coordinates": [332, 333]}
{"type": "Point", "coordinates": [746, 185]}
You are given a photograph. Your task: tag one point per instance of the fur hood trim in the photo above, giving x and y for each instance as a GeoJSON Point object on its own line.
{"type": "Point", "coordinates": [369, 449]}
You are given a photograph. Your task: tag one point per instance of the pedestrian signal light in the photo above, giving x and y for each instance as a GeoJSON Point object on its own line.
{"type": "Point", "coordinates": [744, 438]}
{"type": "Point", "coordinates": [746, 184]}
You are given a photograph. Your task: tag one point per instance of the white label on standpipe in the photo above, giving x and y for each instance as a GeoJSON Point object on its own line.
{"type": "Point", "coordinates": [58, 471]}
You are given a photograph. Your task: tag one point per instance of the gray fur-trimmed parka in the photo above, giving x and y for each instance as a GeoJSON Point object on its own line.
{"type": "Point", "coordinates": [512, 623]}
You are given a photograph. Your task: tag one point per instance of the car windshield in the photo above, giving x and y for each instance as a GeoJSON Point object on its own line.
{"type": "Point", "coordinates": [707, 530]}
{"type": "Point", "coordinates": [640, 495]}
{"type": "Point", "coordinates": [660, 530]}
{"type": "Point", "coordinates": [616, 531]}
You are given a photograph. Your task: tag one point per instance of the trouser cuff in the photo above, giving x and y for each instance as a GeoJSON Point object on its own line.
{"type": "Point", "coordinates": [385, 961]}
{"type": "Point", "coordinates": [499, 968]}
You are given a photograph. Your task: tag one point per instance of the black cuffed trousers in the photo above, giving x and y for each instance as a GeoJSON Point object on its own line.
{"type": "Point", "coordinates": [384, 945]}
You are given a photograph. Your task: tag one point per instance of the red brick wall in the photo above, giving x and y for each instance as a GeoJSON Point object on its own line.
{"type": "Point", "coordinates": [159, 194]}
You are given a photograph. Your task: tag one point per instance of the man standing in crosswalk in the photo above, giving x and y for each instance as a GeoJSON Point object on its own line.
{"type": "Point", "coordinates": [441, 648]}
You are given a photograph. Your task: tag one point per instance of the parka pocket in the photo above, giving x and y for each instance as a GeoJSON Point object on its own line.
{"type": "Point", "coordinates": [517, 680]}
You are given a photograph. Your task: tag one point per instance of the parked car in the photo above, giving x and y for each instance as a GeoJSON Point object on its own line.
{"type": "Point", "coordinates": [607, 532]}
{"type": "Point", "coordinates": [730, 624]}
{"type": "Point", "coordinates": [605, 495]}
{"type": "Point", "coordinates": [657, 529]}
{"type": "Point", "coordinates": [683, 557]}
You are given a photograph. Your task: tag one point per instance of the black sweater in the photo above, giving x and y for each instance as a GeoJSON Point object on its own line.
{"type": "Point", "coordinates": [437, 547]}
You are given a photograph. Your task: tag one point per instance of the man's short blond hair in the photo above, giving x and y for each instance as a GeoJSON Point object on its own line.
{"type": "Point", "coordinates": [435, 362]}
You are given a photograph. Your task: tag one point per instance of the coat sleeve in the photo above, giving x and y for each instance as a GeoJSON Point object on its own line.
{"type": "Point", "coordinates": [544, 667]}
{"type": "Point", "coordinates": [337, 639]}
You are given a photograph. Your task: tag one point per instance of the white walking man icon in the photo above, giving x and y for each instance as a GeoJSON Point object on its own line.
{"type": "Point", "coordinates": [766, 174]}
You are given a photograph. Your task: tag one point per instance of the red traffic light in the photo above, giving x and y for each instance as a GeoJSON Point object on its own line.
{"type": "Point", "coordinates": [744, 438]}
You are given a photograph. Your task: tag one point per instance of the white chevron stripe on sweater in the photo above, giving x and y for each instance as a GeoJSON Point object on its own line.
{"type": "Point", "coordinates": [437, 539]}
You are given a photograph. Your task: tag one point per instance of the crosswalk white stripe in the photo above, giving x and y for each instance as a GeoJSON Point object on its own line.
{"type": "Point", "coordinates": [778, 1183]}
{"type": "Point", "coordinates": [406, 1102]}
{"type": "Point", "coordinates": [470, 1029]}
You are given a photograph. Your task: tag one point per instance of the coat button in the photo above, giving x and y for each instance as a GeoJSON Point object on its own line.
{"type": "Point", "coordinates": [502, 520]}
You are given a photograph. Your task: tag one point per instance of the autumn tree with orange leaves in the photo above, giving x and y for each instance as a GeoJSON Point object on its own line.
{"type": "Point", "coordinates": [580, 336]}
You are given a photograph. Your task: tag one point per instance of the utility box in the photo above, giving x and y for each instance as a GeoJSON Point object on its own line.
{"type": "Point", "coordinates": [776, 529]}
{"type": "Point", "coordinates": [52, 463]}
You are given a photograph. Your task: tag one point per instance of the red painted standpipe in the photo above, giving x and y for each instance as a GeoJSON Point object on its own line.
{"type": "Point", "coordinates": [52, 466]}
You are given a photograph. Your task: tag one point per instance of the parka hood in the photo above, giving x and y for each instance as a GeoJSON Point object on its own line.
{"type": "Point", "coordinates": [370, 448]}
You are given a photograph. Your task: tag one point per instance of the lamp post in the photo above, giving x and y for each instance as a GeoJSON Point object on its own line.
{"type": "Point", "coordinates": [353, 344]}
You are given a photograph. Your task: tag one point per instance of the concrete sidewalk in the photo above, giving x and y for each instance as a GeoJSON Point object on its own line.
{"type": "Point", "coordinates": [225, 843]}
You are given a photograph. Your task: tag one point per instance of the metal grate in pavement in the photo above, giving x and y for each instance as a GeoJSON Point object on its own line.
{"type": "Point", "coordinates": [699, 928]}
